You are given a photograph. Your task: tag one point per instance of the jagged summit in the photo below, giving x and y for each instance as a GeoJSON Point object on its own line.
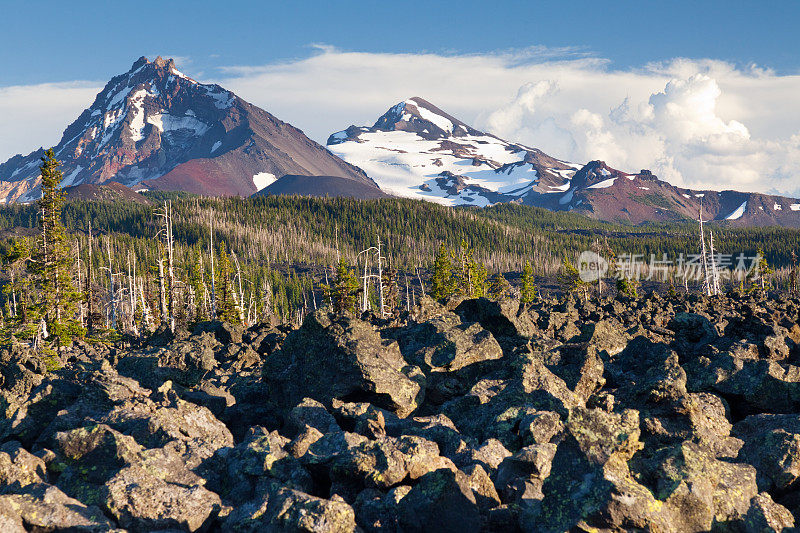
{"type": "Point", "coordinates": [423, 118]}
{"type": "Point", "coordinates": [155, 127]}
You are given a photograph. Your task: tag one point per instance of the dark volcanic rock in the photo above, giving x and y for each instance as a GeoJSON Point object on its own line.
{"type": "Point", "coordinates": [343, 358]}
{"type": "Point", "coordinates": [441, 501]}
{"type": "Point", "coordinates": [614, 416]}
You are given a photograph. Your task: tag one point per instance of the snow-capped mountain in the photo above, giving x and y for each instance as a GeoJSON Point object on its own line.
{"type": "Point", "coordinates": [417, 150]}
{"type": "Point", "coordinates": [156, 128]}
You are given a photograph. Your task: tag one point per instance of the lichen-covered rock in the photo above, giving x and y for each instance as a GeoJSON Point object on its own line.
{"type": "Point", "coordinates": [505, 318]}
{"type": "Point", "coordinates": [282, 509]}
{"type": "Point", "coordinates": [692, 333]}
{"type": "Point", "coordinates": [376, 511]}
{"type": "Point", "coordinates": [92, 454]}
{"type": "Point", "coordinates": [590, 484]}
{"type": "Point", "coordinates": [540, 427]}
{"type": "Point", "coordinates": [444, 343]}
{"type": "Point", "coordinates": [386, 462]}
{"type": "Point", "coordinates": [262, 454]}
{"type": "Point", "coordinates": [140, 501]}
{"type": "Point", "coordinates": [19, 468]}
{"type": "Point", "coordinates": [530, 464]}
{"type": "Point", "coordinates": [580, 366]}
{"type": "Point", "coordinates": [482, 487]}
{"type": "Point", "coordinates": [312, 413]}
{"type": "Point", "coordinates": [42, 507]}
{"type": "Point", "coordinates": [765, 515]}
{"type": "Point", "coordinates": [490, 455]}
{"type": "Point", "coordinates": [154, 424]}
{"type": "Point", "coordinates": [772, 446]}
{"type": "Point", "coordinates": [700, 489]}
{"type": "Point", "coordinates": [344, 358]}
{"type": "Point", "coordinates": [441, 501]}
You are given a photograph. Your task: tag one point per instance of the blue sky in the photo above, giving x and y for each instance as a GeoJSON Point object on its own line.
{"type": "Point", "coordinates": [705, 94]}
{"type": "Point", "coordinates": [57, 41]}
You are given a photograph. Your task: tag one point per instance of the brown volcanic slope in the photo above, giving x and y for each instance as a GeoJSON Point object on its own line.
{"type": "Point", "coordinates": [107, 192]}
{"type": "Point", "coordinates": [321, 186]}
{"type": "Point", "coordinates": [154, 127]}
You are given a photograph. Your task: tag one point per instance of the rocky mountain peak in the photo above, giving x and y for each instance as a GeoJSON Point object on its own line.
{"type": "Point", "coordinates": [419, 116]}
{"type": "Point", "coordinates": [155, 127]}
{"type": "Point", "coordinates": [167, 64]}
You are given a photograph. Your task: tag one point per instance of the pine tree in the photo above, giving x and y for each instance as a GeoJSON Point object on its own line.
{"type": "Point", "coordinates": [469, 276]}
{"type": "Point", "coordinates": [343, 292]}
{"type": "Point", "coordinates": [671, 292]}
{"type": "Point", "coordinates": [627, 286]}
{"type": "Point", "coordinates": [16, 291]}
{"type": "Point", "coordinates": [50, 262]}
{"type": "Point", "coordinates": [462, 271]}
{"type": "Point", "coordinates": [762, 270]}
{"type": "Point", "coordinates": [499, 287]}
{"type": "Point", "coordinates": [528, 289]}
{"type": "Point", "coordinates": [442, 282]}
{"type": "Point", "coordinates": [570, 279]}
{"type": "Point", "coordinates": [479, 276]}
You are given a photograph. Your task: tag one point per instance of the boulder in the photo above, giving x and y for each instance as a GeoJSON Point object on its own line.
{"type": "Point", "coordinates": [344, 358]}
{"type": "Point", "coordinates": [283, 509]}
{"type": "Point", "coordinates": [482, 487]}
{"type": "Point", "coordinates": [140, 501]}
{"type": "Point", "coordinates": [766, 515]}
{"type": "Point", "coordinates": [693, 332]}
{"type": "Point", "coordinates": [224, 332]}
{"type": "Point", "coordinates": [42, 507]}
{"type": "Point", "coordinates": [772, 446]}
{"type": "Point", "coordinates": [386, 462]}
{"type": "Point", "coordinates": [20, 468]}
{"type": "Point", "coordinates": [441, 501]}
{"type": "Point", "coordinates": [446, 344]}
{"type": "Point", "coordinates": [505, 318]}
{"type": "Point", "coordinates": [262, 455]}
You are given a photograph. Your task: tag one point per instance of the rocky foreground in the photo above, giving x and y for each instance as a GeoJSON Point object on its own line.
{"type": "Point", "coordinates": [668, 415]}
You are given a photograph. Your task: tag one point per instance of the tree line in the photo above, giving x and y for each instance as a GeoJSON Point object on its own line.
{"type": "Point", "coordinates": [99, 268]}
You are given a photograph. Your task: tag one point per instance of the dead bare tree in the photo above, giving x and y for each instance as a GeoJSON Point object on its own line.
{"type": "Point", "coordinates": [132, 295]}
{"type": "Point", "coordinates": [267, 310]}
{"type": "Point", "coordinates": [703, 252]}
{"type": "Point", "coordinates": [238, 297]}
{"type": "Point", "coordinates": [88, 290]}
{"type": "Point", "coordinates": [112, 294]}
{"type": "Point", "coordinates": [213, 274]}
{"type": "Point", "coordinates": [366, 277]}
{"type": "Point", "coordinates": [168, 292]}
{"type": "Point", "coordinates": [714, 272]}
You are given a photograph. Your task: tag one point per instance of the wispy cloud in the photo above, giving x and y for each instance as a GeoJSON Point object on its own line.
{"type": "Point", "coordinates": [36, 115]}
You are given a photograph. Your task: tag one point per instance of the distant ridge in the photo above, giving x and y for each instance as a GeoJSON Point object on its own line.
{"type": "Point", "coordinates": [417, 150]}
